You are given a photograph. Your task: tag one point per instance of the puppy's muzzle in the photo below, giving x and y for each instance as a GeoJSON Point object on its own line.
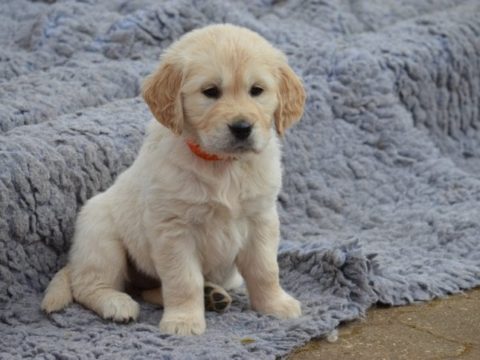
{"type": "Point", "coordinates": [241, 129]}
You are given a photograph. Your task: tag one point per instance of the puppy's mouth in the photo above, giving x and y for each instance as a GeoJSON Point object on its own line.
{"type": "Point", "coordinates": [239, 147]}
{"type": "Point", "coordinates": [235, 142]}
{"type": "Point", "coordinates": [230, 147]}
{"type": "Point", "coordinates": [235, 151]}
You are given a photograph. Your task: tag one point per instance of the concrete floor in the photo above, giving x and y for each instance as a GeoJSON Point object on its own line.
{"type": "Point", "coordinates": [441, 329]}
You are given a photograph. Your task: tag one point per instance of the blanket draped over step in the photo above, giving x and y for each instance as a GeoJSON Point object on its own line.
{"type": "Point", "coordinates": [381, 195]}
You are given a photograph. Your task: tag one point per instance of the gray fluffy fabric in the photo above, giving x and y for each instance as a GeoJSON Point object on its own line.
{"type": "Point", "coordinates": [381, 196]}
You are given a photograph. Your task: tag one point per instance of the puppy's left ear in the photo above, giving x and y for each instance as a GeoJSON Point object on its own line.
{"type": "Point", "coordinates": [291, 100]}
{"type": "Point", "coordinates": [161, 92]}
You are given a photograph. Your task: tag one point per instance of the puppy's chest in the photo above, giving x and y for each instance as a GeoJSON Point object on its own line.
{"type": "Point", "coordinates": [222, 224]}
{"type": "Point", "coordinates": [219, 238]}
{"type": "Point", "coordinates": [225, 213]}
{"type": "Point", "coordinates": [238, 197]}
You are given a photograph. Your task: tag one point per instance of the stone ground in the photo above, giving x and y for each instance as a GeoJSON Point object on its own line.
{"type": "Point", "coordinates": [446, 328]}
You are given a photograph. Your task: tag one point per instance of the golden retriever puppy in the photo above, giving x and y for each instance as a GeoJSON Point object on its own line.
{"type": "Point", "coordinates": [199, 202]}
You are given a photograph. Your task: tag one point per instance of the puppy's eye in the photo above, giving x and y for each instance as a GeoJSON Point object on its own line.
{"type": "Point", "coordinates": [212, 92]}
{"type": "Point", "coordinates": [255, 90]}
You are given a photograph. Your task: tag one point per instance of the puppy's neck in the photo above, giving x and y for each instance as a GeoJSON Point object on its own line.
{"type": "Point", "coordinates": [197, 150]}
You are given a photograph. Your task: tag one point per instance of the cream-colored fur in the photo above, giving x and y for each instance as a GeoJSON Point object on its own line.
{"type": "Point", "coordinates": [183, 219]}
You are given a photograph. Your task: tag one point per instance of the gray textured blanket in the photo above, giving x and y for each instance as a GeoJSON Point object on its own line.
{"type": "Point", "coordinates": [381, 197]}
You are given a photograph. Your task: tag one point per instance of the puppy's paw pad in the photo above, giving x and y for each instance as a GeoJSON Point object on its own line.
{"type": "Point", "coordinates": [183, 327]}
{"type": "Point", "coordinates": [120, 308]}
{"type": "Point", "coordinates": [216, 299]}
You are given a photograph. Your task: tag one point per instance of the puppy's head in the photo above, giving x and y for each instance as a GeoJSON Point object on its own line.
{"type": "Point", "coordinates": [226, 88]}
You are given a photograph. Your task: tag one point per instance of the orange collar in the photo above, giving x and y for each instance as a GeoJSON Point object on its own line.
{"type": "Point", "coordinates": [195, 148]}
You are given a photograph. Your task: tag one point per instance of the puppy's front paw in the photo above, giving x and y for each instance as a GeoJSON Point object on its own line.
{"type": "Point", "coordinates": [283, 306]}
{"type": "Point", "coordinates": [120, 307]}
{"type": "Point", "coordinates": [182, 324]}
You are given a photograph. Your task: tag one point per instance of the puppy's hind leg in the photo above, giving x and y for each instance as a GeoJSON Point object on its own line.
{"type": "Point", "coordinates": [98, 263]}
{"type": "Point", "coordinates": [153, 296]}
{"type": "Point", "coordinates": [216, 298]}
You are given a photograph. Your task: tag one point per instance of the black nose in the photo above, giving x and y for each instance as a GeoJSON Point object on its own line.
{"type": "Point", "coordinates": [241, 129]}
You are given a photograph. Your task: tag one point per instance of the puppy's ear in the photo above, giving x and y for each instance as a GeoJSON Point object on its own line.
{"type": "Point", "coordinates": [161, 92]}
{"type": "Point", "coordinates": [291, 100]}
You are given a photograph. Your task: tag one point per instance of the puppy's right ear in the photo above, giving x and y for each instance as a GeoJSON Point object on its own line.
{"type": "Point", "coordinates": [291, 99]}
{"type": "Point", "coordinates": [161, 92]}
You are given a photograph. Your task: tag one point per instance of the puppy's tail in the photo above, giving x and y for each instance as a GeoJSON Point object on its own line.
{"type": "Point", "coordinates": [59, 292]}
